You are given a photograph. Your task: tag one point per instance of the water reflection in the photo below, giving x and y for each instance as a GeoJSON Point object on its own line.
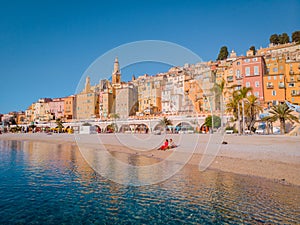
{"type": "Point", "coordinates": [52, 184]}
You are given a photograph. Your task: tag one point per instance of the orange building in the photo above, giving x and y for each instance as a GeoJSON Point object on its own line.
{"type": "Point", "coordinates": [69, 107]}
{"type": "Point", "coordinates": [292, 74]}
{"type": "Point", "coordinates": [274, 80]}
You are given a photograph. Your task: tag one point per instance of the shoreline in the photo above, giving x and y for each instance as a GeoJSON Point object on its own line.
{"type": "Point", "coordinates": [273, 157]}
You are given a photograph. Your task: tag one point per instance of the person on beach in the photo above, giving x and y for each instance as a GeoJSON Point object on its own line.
{"type": "Point", "coordinates": [165, 146]}
{"type": "Point", "coordinates": [172, 144]}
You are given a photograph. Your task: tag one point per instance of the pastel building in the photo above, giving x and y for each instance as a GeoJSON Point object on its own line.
{"type": "Point", "coordinates": [69, 107]}
{"type": "Point", "coordinates": [149, 93]}
{"type": "Point", "coordinates": [87, 102]}
{"type": "Point", "coordinates": [292, 74]}
{"type": "Point", "coordinates": [56, 107]}
{"type": "Point", "coordinates": [253, 70]}
{"type": "Point", "coordinates": [29, 113]}
{"type": "Point", "coordinates": [42, 110]}
{"type": "Point", "coordinates": [173, 95]}
{"type": "Point", "coordinates": [274, 80]}
{"type": "Point", "coordinates": [126, 101]}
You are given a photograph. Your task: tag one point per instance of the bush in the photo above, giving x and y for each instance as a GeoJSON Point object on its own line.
{"type": "Point", "coordinates": [232, 128]}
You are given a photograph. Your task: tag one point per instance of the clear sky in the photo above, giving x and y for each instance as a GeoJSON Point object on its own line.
{"type": "Point", "coordinates": [45, 46]}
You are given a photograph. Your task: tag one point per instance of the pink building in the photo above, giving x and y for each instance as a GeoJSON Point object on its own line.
{"type": "Point", "coordinates": [57, 107]}
{"type": "Point", "coordinates": [253, 69]}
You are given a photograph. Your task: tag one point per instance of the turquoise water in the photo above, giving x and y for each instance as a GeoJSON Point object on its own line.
{"type": "Point", "coordinates": [44, 183]}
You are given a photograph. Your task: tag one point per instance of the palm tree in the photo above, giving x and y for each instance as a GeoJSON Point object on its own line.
{"type": "Point", "coordinates": [59, 124]}
{"type": "Point", "coordinates": [282, 113]}
{"type": "Point", "coordinates": [165, 122]}
{"type": "Point", "coordinates": [252, 108]}
{"type": "Point", "coordinates": [241, 95]}
{"type": "Point", "coordinates": [269, 123]}
{"type": "Point", "coordinates": [232, 107]}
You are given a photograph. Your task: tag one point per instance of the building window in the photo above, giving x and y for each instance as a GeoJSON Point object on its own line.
{"type": "Point", "coordinates": [275, 77]}
{"type": "Point", "coordinates": [291, 84]}
{"type": "Point", "coordinates": [256, 72]}
{"type": "Point", "coordinates": [275, 69]}
{"type": "Point", "coordinates": [280, 76]}
{"type": "Point", "coordinates": [256, 83]}
{"type": "Point", "coordinates": [254, 59]}
{"type": "Point", "coordinates": [273, 93]}
{"type": "Point", "coordinates": [238, 63]}
{"type": "Point", "coordinates": [256, 94]}
{"type": "Point", "coordinates": [246, 60]}
{"type": "Point", "coordinates": [238, 73]}
{"type": "Point", "coordinates": [247, 71]}
{"type": "Point", "coordinates": [247, 84]}
{"type": "Point", "coordinates": [269, 78]}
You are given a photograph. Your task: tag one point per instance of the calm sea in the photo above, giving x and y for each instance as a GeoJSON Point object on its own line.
{"type": "Point", "coordinates": [43, 183]}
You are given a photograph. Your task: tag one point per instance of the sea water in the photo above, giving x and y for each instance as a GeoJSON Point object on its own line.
{"type": "Point", "coordinates": [44, 183]}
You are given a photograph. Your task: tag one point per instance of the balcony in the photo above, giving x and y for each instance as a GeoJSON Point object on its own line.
{"type": "Point", "coordinates": [281, 85]}
{"type": "Point", "coordinates": [295, 93]}
{"type": "Point", "coordinates": [270, 86]}
{"type": "Point", "coordinates": [291, 72]}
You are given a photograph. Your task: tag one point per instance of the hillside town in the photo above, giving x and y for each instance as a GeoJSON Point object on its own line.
{"type": "Point", "coordinates": [271, 75]}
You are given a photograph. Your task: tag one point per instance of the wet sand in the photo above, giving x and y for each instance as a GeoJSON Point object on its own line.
{"type": "Point", "coordinates": [272, 157]}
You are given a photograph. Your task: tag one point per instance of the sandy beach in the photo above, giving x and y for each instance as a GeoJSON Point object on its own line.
{"type": "Point", "coordinates": [273, 157]}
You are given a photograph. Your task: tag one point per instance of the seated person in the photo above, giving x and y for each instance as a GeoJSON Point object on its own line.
{"type": "Point", "coordinates": [165, 146]}
{"type": "Point", "coordinates": [172, 144]}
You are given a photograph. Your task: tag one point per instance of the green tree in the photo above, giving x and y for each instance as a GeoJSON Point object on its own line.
{"type": "Point", "coordinates": [223, 54]}
{"type": "Point", "coordinates": [252, 109]}
{"type": "Point", "coordinates": [165, 122]}
{"type": "Point", "coordinates": [213, 121]}
{"type": "Point", "coordinates": [282, 113]}
{"type": "Point", "coordinates": [296, 36]}
{"type": "Point", "coordinates": [252, 48]}
{"type": "Point", "coordinates": [59, 125]}
{"type": "Point", "coordinates": [232, 107]}
{"type": "Point", "coordinates": [114, 116]}
{"type": "Point", "coordinates": [284, 38]}
{"type": "Point", "coordinates": [274, 39]}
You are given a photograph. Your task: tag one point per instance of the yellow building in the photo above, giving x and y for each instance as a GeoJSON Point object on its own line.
{"type": "Point", "coordinates": [29, 113]}
{"type": "Point", "coordinates": [42, 110]}
{"type": "Point", "coordinates": [87, 102]}
{"type": "Point", "coordinates": [274, 80]}
{"type": "Point", "coordinates": [149, 93]}
{"type": "Point", "coordinates": [292, 74]}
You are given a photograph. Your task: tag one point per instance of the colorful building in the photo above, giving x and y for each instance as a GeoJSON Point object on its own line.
{"type": "Point", "coordinates": [56, 107]}
{"type": "Point", "coordinates": [292, 75]}
{"type": "Point", "coordinates": [126, 100]}
{"type": "Point", "coordinates": [42, 110]}
{"type": "Point", "coordinates": [87, 102]}
{"type": "Point", "coordinates": [69, 107]}
{"type": "Point", "coordinates": [274, 80]}
{"type": "Point", "coordinates": [253, 70]}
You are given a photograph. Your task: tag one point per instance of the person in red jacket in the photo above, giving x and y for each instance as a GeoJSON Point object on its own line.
{"type": "Point", "coordinates": [165, 146]}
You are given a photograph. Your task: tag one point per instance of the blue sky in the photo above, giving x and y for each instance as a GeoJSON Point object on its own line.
{"type": "Point", "coordinates": [46, 46]}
